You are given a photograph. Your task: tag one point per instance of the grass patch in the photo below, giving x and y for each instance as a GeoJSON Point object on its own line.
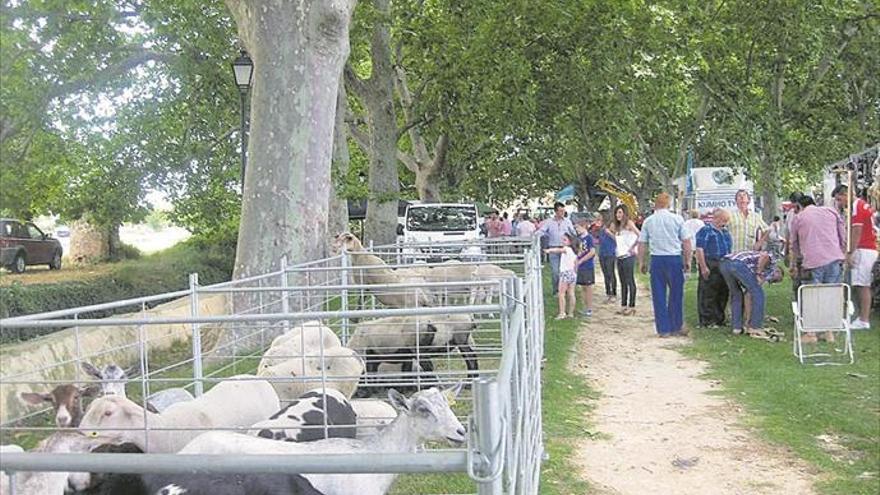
{"type": "Point", "coordinates": [827, 415]}
{"type": "Point", "coordinates": [165, 271]}
{"type": "Point", "coordinates": [566, 402]}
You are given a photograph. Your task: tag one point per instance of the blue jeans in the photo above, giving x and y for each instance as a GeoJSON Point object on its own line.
{"type": "Point", "coordinates": [832, 273]}
{"type": "Point", "coordinates": [554, 269]}
{"type": "Point", "coordinates": [739, 277]}
{"type": "Point", "coordinates": [667, 273]}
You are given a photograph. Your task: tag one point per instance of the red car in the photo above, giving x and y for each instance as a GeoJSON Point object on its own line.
{"type": "Point", "coordinates": [22, 244]}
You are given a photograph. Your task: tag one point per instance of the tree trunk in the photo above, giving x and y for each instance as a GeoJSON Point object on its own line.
{"type": "Point", "coordinates": [381, 222]}
{"type": "Point", "coordinates": [428, 185]}
{"type": "Point", "coordinates": [298, 50]}
{"type": "Point", "coordinates": [338, 215]}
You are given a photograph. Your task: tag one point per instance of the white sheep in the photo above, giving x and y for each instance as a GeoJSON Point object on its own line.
{"type": "Point", "coordinates": [310, 337]}
{"type": "Point", "coordinates": [404, 297]}
{"type": "Point", "coordinates": [338, 368]}
{"type": "Point", "coordinates": [380, 339]}
{"type": "Point", "coordinates": [239, 402]}
{"type": "Point", "coordinates": [486, 293]}
{"type": "Point", "coordinates": [424, 417]}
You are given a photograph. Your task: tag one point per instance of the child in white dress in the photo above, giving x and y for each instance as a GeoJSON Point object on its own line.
{"type": "Point", "coordinates": [567, 274]}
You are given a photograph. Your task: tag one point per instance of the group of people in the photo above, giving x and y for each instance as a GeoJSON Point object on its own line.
{"type": "Point", "coordinates": [736, 253]}
{"type": "Point", "coordinates": [503, 226]}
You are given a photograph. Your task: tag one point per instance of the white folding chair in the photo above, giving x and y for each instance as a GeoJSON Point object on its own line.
{"type": "Point", "coordinates": [823, 308]}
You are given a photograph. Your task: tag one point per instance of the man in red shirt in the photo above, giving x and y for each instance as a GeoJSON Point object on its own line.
{"type": "Point", "coordinates": [862, 254]}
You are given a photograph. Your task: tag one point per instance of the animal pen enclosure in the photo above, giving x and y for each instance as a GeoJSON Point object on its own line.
{"type": "Point", "coordinates": [265, 332]}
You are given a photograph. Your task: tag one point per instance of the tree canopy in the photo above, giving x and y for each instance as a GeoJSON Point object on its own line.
{"type": "Point", "coordinates": [493, 100]}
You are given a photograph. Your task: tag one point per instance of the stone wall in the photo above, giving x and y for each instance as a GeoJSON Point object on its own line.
{"type": "Point", "coordinates": [38, 360]}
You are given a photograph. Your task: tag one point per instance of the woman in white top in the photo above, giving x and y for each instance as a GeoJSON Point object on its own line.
{"type": "Point", "coordinates": [626, 234]}
{"type": "Point", "coordinates": [567, 273]}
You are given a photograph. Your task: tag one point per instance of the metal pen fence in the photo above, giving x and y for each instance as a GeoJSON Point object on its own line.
{"type": "Point", "coordinates": [502, 409]}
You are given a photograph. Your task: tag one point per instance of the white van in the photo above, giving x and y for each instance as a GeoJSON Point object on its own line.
{"type": "Point", "coordinates": [432, 224]}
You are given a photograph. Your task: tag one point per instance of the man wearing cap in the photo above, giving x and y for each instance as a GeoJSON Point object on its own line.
{"type": "Point", "coordinates": [713, 244]}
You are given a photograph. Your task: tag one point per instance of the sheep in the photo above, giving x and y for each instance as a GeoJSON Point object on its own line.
{"type": "Point", "coordinates": [239, 402]}
{"type": "Point", "coordinates": [303, 420]}
{"type": "Point", "coordinates": [66, 402]}
{"type": "Point", "coordinates": [191, 484]}
{"type": "Point", "coordinates": [372, 414]}
{"type": "Point", "coordinates": [311, 335]}
{"type": "Point", "coordinates": [49, 482]}
{"type": "Point", "coordinates": [113, 379]}
{"type": "Point", "coordinates": [485, 293]}
{"type": "Point", "coordinates": [338, 368]}
{"type": "Point", "coordinates": [424, 417]}
{"type": "Point", "coordinates": [395, 298]}
{"type": "Point", "coordinates": [378, 339]}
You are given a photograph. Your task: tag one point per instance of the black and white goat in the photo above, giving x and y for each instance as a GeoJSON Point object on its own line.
{"type": "Point", "coordinates": [304, 419]}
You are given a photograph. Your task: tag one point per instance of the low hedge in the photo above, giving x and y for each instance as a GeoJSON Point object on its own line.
{"type": "Point", "coordinates": [166, 271]}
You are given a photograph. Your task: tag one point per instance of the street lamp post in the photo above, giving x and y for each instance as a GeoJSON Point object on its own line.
{"type": "Point", "coordinates": [243, 69]}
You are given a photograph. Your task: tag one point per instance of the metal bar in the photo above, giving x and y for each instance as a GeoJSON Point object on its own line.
{"type": "Point", "coordinates": [303, 288]}
{"type": "Point", "coordinates": [268, 317]}
{"type": "Point", "coordinates": [196, 333]}
{"type": "Point", "coordinates": [285, 303]}
{"type": "Point", "coordinates": [487, 414]}
{"type": "Point", "coordinates": [403, 265]}
{"type": "Point", "coordinates": [422, 462]}
{"type": "Point", "coordinates": [100, 307]}
{"type": "Point", "coordinates": [345, 262]}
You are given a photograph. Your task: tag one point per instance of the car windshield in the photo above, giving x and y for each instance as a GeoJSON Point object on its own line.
{"type": "Point", "coordinates": [441, 218]}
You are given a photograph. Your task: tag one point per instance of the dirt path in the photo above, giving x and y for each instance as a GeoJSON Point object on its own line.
{"type": "Point", "coordinates": [660, 429]}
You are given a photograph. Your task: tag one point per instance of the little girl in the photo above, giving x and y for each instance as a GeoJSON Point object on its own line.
{"type": "Point", "coordinates": [567, 273]}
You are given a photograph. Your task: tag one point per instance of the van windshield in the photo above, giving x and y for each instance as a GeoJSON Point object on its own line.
{"type": "Point", "coordinates": [441, 218]}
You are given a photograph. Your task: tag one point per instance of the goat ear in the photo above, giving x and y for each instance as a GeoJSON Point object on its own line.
{"type": "Point", "coordinates": [35, 398]}
{"type": "Point", "coordinates": [91, 391]}
{"type": "Point", "coordinates": [452, 392]}
{"type": "Point", "coordinates": [398, 401]}
{"type": "Point", "coordinates": [90, 370]}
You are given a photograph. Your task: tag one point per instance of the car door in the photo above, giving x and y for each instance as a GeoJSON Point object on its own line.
{"type": "Point", "coordinates": [39, 250]}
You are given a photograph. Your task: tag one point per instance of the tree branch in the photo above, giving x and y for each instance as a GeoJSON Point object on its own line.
{"type": "Point", "coordinates": [360, 137]}
{"type": "Point", "coordinates": [354, 83]}
{"type": "Point", "coordinates": [102, 76]}
{"type": "Point", "coordinates": [408, 161]}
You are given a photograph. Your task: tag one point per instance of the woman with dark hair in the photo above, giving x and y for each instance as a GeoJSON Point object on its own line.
{"type": "Point", "coordinates": [626, 234]}
{"type": "Point", "coordinates": [608, 258]}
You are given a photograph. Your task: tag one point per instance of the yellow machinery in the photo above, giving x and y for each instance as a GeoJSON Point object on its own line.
{"type": "Point", "coordinates": [625, 197]}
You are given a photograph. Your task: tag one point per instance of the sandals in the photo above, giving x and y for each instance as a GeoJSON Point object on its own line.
{"type": "Point", "coordinates": [768, 334]}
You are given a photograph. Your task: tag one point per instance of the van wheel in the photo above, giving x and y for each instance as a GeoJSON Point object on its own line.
{"type": "Point", "coordinates": [18, 264]}
{"type": "Point", "coordinates": [55, 264]}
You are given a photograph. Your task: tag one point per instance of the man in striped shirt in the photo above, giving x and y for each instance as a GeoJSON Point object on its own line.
{"type": "Point", "coordinates": [713, 244]}
{"type": "Point", "coordinates": [747, 229]}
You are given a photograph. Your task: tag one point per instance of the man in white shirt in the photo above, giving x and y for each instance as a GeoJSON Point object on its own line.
{"type": "Point", "coordinates": [692, 226]}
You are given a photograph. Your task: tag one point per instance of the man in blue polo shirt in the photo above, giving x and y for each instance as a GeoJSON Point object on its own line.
{"type": "Point", "coordinates": [670, 245]}
{"type": "Point", "coordinates": [713, 244]}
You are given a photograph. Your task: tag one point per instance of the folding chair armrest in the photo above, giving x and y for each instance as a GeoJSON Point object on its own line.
{"type": "Point", "coordinates": [850, 309]}
{"type": "Point", "coordinates": [795, 309]}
